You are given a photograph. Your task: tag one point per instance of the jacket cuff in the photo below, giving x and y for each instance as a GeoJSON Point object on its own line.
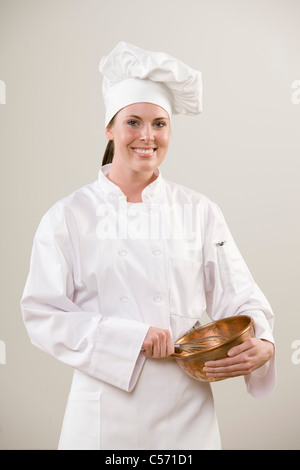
{"type": "Point", "coordinates": [116, 358]}
{"type": "Point", "coordinates": [261, 383]}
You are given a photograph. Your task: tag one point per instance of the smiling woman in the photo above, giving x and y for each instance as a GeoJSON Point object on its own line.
{"type": "Point", "coordinates": [134, 121]}
{"type": "Point", "coordinates": [111, 287]}
{"type": "Point", "coordinates": [141, 134]}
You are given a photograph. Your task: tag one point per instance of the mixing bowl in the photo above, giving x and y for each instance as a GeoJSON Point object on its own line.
{"type": "Point", "coordinates": [236, 330]}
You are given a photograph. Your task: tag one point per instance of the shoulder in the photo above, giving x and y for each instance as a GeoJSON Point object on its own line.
{"type": "Point", "coordinates": [65, 211]}
{"type": "Point", "coordinates": [187, 195]}
{"type": "Point", "coordinates": [208, 210]}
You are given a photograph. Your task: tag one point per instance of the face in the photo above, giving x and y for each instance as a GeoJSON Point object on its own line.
{"type": "Point", "coordinates": [141, 134]}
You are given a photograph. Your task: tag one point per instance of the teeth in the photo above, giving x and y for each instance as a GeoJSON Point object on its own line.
{"type": "Point", "coordinates": [144, 151]}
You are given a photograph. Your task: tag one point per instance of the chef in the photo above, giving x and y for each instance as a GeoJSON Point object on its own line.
{"type": "Point", "coordinates": [126, 265]}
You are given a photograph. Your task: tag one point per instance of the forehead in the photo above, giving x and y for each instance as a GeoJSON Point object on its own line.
{"type": "Point", "coordinates": [144, 111]}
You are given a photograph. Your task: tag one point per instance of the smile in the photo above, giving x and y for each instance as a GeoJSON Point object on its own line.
{"type": "Point", "coordinates": [143, 151]}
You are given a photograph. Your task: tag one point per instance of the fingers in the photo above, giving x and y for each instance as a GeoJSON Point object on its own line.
{"type": "Point", "coordinates": [228, 367]}
{"type": "Point", "coordinates": [241, 361]}
{"type": "Point", "coordinates": [158, 343]}
{"type": "Point", "coordinates": [245, 346]}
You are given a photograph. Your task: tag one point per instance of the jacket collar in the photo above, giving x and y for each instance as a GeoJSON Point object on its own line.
{"type": "Point", "coordinates": [152, 193]}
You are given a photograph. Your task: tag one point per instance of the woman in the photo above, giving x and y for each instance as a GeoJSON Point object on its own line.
{"type": "Point", "coordinates": [124, 266]}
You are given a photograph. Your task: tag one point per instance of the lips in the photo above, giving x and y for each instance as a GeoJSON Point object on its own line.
{"type": "Point", "coordinates": [144, 152]}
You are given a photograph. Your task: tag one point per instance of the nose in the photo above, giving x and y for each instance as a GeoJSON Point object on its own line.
{"type": "Point", "coordinates": [147, 134]}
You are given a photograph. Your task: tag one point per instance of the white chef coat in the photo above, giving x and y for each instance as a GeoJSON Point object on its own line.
{"type": "Point", "coordinates": [102, 271]}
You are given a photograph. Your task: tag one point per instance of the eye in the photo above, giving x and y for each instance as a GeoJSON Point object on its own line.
{"type": "Point", "coordinates": [160, 124]}
{"type": "Point", "coordinates": [132, 123]}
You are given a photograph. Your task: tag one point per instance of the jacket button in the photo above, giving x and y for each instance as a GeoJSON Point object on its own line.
{"type": "Point", "coordinates": [157, 298]}
{"type": "Point", "coordinates": [156, 251]}
{"type": "Point", "coordinates": [124, 298]}
{"type": "Point", "coordinates": [123, 252]}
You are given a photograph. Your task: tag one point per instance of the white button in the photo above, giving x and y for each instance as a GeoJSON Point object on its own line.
{"type": "Point", "coordinates": [124, 298]}
{"type": "Point", "coordinates": [123, 252]}
{"type": "Point", "coordinates": [157, 298]}
{"type": "Point", "coordinates": [156, 251]}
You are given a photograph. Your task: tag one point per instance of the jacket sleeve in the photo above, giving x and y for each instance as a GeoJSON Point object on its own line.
{"type": "Point", "coordinates": [231, 290]}
{"type": "Point", "coordinates": [102, 347]}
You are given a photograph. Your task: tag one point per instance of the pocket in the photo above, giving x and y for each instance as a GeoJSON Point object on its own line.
{"type": "Point", "coordinates": [187, 298]}
{"type": "Point", "coordinates": [81, 426]}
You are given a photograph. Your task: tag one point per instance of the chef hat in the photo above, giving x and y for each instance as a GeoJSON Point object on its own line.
{"type": "Point", "coordinates": [134, 75]}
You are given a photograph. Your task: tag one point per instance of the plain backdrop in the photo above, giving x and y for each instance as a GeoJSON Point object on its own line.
{"type": "Point", "coordinates": [242, 152]}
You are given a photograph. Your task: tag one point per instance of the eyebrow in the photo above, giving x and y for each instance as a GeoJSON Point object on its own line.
{"type": "Point", "coordinates": [138, 117]}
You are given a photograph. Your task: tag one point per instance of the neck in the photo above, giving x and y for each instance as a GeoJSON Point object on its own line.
{"type": "Point", "coordinates": [131, 183]}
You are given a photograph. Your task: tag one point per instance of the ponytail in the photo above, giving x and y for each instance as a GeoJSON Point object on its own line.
{"type": "Point", "coordinates": [109, 153]}
{"type": "Point", "coordinates": [110, 148]}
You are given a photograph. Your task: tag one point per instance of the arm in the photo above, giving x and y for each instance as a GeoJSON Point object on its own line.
{"type": "Point", "coordinates": [231, 290]}
{"type": "Point", "coordinates": [107, 348]}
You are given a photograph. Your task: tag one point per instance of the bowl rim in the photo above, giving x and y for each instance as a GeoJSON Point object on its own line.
{"type": "Point", "coordinates": [188, 356]}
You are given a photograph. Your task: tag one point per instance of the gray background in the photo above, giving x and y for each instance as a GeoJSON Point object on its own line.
{"type": "Point", "coordinates": [242, 152]}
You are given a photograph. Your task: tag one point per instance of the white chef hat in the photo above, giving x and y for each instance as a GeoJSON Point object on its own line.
{"type": "Point", "coordinates": [134, 75]}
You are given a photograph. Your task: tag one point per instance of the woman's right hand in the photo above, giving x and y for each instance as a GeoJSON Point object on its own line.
{"type": "Point", "coordinates": [158, 343]}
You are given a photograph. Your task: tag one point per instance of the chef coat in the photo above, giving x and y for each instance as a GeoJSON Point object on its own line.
{"type": "Point", "coordinates": [102, 271]}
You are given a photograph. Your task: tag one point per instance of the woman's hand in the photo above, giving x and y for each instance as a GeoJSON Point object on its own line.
{"type": "Point", "coordinates": [158, 343]}
{"type": "Point", "coordinates": [243, 359]}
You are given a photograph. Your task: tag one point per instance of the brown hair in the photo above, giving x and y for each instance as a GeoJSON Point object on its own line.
{"type": "Point", "coordinates": [110, 148]}
{"type": "Point", "coordinates": [109, 153]}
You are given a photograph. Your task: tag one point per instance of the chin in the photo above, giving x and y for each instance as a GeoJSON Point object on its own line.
{"type": "Point", "coordinates": [147, 165]}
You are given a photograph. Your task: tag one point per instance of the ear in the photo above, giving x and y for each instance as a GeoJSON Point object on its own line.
{"type": "Point", "coordinates": [109, 133]}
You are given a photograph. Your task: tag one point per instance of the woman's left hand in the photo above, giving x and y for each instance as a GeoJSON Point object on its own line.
{"type": "Point", "coordinates": [243, 359]}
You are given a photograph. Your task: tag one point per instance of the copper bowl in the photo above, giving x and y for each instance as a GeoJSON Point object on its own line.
{"type": "Point", "coordinates": [236, 330]}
